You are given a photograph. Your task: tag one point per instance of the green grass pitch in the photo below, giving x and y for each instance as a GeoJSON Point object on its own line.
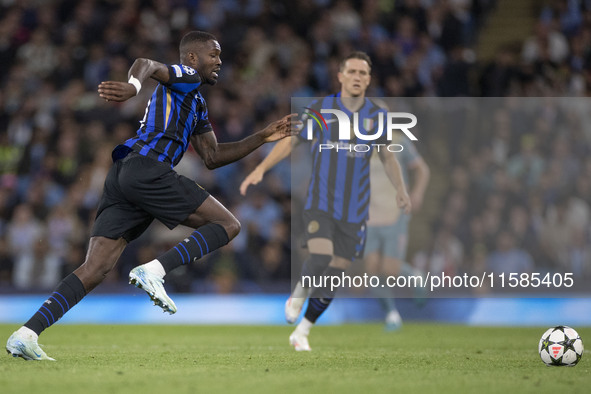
{"type": "Point", "coordinates": [420, 358]}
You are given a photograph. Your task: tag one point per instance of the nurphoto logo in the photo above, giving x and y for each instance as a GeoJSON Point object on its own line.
{"type": "Point", "coordinates": [348, 129]}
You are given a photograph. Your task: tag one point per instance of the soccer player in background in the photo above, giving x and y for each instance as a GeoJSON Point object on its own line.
{"type": "Point", "coordinates": [142, 185]}
{"type": "Point", "coordinates": [336, 211]}
{"type": "Point", "coordinates": [387, 228]}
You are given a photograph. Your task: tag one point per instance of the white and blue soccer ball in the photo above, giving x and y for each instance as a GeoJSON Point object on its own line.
{"type": "Point", "coordinates": [561, 346]}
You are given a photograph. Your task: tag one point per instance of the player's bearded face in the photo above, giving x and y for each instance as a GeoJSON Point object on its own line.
{"type": "Point", "coordinates": [355, 77]}
{"type": "Point", "coordinates": [209, 63]}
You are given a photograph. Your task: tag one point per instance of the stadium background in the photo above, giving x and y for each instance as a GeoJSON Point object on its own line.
{"type": "Point", "coordinates": [56, 136]}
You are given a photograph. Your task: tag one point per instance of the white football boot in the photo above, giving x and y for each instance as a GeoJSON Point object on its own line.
{"type": "Point", "coordinates": [295, 302]}
{"type": "Point", "coordinates": [153, 284]}
{"type": "Point", "coordinates": [299, 341]}
{"type": "Point", "coordinates": [21, 344]}
{"type": "Point", "coordinates": [393, 321]}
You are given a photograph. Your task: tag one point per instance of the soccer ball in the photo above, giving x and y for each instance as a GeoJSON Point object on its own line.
{"type": "Point", "coordinates": [561, 346]}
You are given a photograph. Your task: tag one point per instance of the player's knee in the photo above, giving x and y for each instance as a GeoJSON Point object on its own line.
{"type": "Point", "coordinates": [391, 267]}
{"type": "Point", "coordinates": [93, 272]}
{"type": "Point", "coordinates": [316, 264]}
{"type": "Point", "coordinates": [101, 258]}
{"type": "Point", "coordinates": [340, 263]}
{"type": "Point", "coordinates": [98, 268]}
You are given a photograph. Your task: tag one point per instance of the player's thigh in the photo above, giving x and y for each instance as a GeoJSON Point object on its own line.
{"type": "Point", "coordinates": [397, 243]}
{"type": "Point", "coordinates": [121, 220]}
{"type": "Point", "coordinates": [374, 244]}
{"type": "Point", "coordinates": [210, 211]}
{"type": "Point", "coordinates": [374, 241]}
{"type": "Point", "coordinates": [319, 232]}
{"type": "Point", "coordinates": [160, 191]}
{"type": "Point", "coordinates": [116, 216]}
{"type": "Point", "coordinates": [349, 241]}
{"type": "Point", "coordinates": [320, 246]}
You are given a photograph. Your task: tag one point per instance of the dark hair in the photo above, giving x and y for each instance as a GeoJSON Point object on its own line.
{"type": "Point", "coordinates": [355, 55]}
{"type": "Point", "coordinates": [193, 37]}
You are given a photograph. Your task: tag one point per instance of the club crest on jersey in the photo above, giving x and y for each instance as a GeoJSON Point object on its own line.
{"type": "Point", "coordinates": [313, 227]}
{"type": "Point", "coordinates": [188, 70]}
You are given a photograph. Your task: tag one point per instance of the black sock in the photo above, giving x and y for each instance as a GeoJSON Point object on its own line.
{"type": "Point", "coordinates": [321, 297]}
{"type": "Point", "coordinates": [316, 307]}
{"type": "Point", "coordinates": [67, 294]}
{"type": "Point", "coordinates": [204, 240]}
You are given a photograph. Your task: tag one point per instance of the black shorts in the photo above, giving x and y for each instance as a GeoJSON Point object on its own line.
{"type": "Point", "coordinates": [348, 239]}
{"type": "Point", "coordinates": [139, 189]}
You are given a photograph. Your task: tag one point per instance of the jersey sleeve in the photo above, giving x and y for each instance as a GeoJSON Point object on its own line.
{"type": "Point", "coordinates": [201, 123]}
{"type": "Point", "coordinates": [182, 78]}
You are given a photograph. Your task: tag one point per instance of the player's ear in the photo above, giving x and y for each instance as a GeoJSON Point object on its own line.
{"type": "Point", "coordinates": [340, 77]}
{"type": "Point", "coordinates": [193, 58]}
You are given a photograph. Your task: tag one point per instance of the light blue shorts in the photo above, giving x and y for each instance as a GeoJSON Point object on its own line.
{"type": "Point", "coordinates": [390, 241]}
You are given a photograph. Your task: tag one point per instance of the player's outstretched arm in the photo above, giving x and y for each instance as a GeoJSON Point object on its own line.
{"type": "Point", "coordinates": [140, 70]}
{"type": "Point", "coordinates": [216, 155]}
{"type": "Point", "coordinates": [392, 167]}
{"type": "Point", "coordinates": [279, 152]}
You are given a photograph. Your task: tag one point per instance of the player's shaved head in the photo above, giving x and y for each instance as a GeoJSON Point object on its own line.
{"type": "Point", "coordinates": [201, 51]}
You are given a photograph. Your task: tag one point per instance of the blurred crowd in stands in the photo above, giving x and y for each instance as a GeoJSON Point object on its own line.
{"type": "Point", "coordinates": [508, 190]}
{"type": "Point", "coordinates": [518, 193]}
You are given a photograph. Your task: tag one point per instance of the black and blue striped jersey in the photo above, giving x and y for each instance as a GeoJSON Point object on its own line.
{"type": "Point", "coordinates": [174, 113]}
{"type": "Point", "coordinates": [340, 183]}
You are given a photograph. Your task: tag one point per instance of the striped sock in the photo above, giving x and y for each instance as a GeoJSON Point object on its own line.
{"type": "Point", "coordinates": [316, 307]}
{"type": "Point", "coordinates": [67, 294]}
{"type": "Point", "coordinates": [202, 241]}
{"type": "Point", "coordinates": [321, 297]}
